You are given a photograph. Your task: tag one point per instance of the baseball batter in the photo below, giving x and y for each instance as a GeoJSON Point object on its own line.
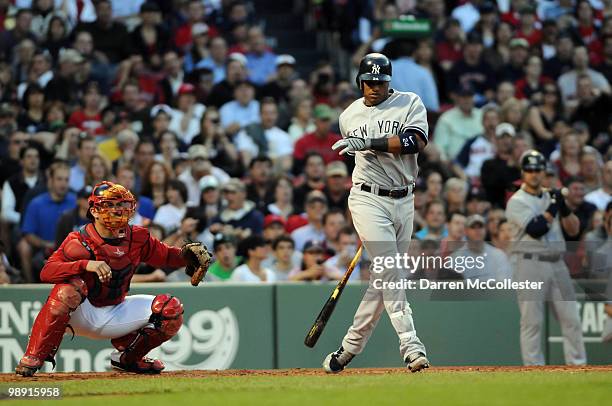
{"type": "Point", "coordinates": [537, 217]}
{"type": "Point", "coordinates": [91, 271]}
{"type": "Point", "coordinates": [385, 130]}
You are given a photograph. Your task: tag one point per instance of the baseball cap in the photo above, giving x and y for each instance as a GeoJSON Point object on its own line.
{"type": "Point", "coordinates": [273, 219]}
{"type": "Point", "coordinates": [519, 42]}
{"type": "Point", "coordinates": [199, 29]}
{"type": "Point", "coordinates": [313, 246]}
{"type": "Point", "coordinates": [465, 90]}
{"type": "Point", "coordinates": [197, 151]}
{"type": "Point", "coordinates": [222, 239]}
{"type": "Point", "coordinates": [504, 129]}
{"type": "Point", "coordinates": [85, 192]}
{"type": "Point", "coordinates": [336, 168]}
{"type": "Point", "coordinates": [295, 221]}
{"type": "Point", "coordinates": [323, 112]}
{"type": "Point", "coordinates": [70, 55]}
{"type": "Point", "coordinates": [475, 219]}
{"type": "Point", "coordinates": [316, 196]}
{"type": "Point", "coordinates": [186, 88]}
{"type": "Point", "coordinates": [285, 59]}
{"type": "Point", "coordinates": [161, 108]}
{"type": "Point", "coordinates": [233, 185]}
{"type": "Point", "coordinates": [237, 56]}
{"type": "Point", "coordinates": [208, 182]}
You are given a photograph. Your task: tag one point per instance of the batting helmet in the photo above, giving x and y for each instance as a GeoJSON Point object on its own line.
{"type": "Point", "coordinates": [374, 67]}
{"type": "Point", "coordinates": [533, 160]}
{"type": "Point", "coordinates": [115, 205]}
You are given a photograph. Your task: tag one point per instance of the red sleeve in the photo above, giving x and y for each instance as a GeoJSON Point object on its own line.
{"type": "Point", "coordinates": [299, 150]}
{"type": "Point", "coordinates": [69, 260]}
{"type": "Point", "coordinates": [519, 86]}
{"type": "Point", "coordinates": [158, 254]}
{"type": "Point", "coordinates": [76, 119]}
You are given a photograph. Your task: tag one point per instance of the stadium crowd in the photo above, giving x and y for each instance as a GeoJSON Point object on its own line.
{"type": "Point", "coordinates": [188, 104]}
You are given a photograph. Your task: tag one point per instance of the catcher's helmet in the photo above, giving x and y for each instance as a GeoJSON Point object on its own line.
{"type": "Point", "coordinates": [533, 160]}
{"type": "Point", "coordinates": [374, 67]}
{"type": "Point", "coordinates": [115, 205]}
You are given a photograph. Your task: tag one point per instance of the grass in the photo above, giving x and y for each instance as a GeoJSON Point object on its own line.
{"type": "Point", "coordinates": [434, 388]}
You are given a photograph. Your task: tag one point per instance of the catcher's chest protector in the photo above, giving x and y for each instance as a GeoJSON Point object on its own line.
{"type": "Point", "coordinates": [123, 256]}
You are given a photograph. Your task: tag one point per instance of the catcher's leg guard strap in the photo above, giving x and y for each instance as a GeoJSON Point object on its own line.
{"type": "Point", "coordinates": [166, 320]}
{"type": "Point", "coordinates": [51, 322]}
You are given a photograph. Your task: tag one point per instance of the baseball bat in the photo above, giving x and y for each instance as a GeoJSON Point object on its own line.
{"type": "Point", "coordinates": [317, 328]}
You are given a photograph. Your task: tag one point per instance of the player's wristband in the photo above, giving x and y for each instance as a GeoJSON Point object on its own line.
{"type": "Point", "coordinates": [378, 144]}
{"type": "Point", "coordinates": [408, 141]}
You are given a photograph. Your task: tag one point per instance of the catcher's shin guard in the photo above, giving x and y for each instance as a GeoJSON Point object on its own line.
{"type": "Point", "coordinates": [50, 325]}
{"type": "Point", "coordinates": [165, 321]}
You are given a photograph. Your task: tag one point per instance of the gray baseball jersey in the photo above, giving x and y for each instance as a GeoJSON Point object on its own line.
{"type": "Point", "coordinates": [557, 285]}
{"type": "Point", "coordinates": [400, 112]}
{"type": "Point", "coordinates": [384, 224]}
{"type": "Point", "coordinates": [521, 208]}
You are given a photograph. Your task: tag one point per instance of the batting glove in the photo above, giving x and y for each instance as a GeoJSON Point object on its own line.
{"type": "Point", "coordinates": [350, 145]}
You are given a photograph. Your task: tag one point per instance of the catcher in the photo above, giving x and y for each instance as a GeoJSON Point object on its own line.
{"type": "Point", "coordinates": [92, 270]}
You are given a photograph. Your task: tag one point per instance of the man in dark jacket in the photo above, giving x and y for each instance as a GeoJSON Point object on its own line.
{"type": "Point", "coordinates": [240, 217]}
{"type": "Point", "coordinates": [498, 173]}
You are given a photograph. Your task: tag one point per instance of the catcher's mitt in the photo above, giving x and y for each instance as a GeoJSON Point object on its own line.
{"type": "Point", "coordinates": [198, 259]}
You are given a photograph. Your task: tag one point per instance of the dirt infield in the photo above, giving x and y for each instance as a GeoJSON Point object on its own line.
{"type": "Point", "coordinates": [63, 376]}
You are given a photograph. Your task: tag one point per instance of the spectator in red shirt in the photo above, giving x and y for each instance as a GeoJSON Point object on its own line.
{"type": "Point", "coordinates": [89, 118]}
{"type": "Point", "coordinates": [240, 38]}
{"type": "Point", "coordinates": [450, 49]}
{"type": "Point", "coordinates": [319, 141]}
{"type": "Point", "coordinates": [527, 28]}
{"type": "Point", "coordinates": [587, 31]}
{"type": "Point", "coordinates": [513, 16]}
{"type": "Point", "coordinates": [195, 14]}
{"type": "Point", "coordinates": [531, 86]}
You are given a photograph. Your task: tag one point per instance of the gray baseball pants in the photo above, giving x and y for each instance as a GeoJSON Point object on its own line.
{"type": "Point", "coordinates": [559, 291]}
{"type": "Point", "coordinates": [384, 225]}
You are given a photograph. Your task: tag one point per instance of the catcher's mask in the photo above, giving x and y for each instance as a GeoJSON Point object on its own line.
{"type": "Point", "coordinates": [114, 205]}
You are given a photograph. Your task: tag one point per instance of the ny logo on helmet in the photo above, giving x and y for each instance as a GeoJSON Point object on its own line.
{"type": "Point", "coordinates": [375, 69]}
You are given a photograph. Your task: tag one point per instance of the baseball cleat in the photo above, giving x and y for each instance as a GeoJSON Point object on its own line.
{"type": "Point", "coordinates": [417, 362]}
{"type": "Point", "coordinates": [28, 366]}
{"type": "Point", "coordinates": [336, 361]}
{"type": "Point", "coordinates": [144, 366]}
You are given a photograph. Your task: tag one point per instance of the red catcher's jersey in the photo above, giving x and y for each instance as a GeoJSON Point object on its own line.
{"type": "Point", "coordinates": [122, 255]}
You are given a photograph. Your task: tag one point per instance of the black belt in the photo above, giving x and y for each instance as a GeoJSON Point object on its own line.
{"type": "Point", "coordinates": [543, 257]}
{"type": "Point", "coordinates": [393, 193]}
